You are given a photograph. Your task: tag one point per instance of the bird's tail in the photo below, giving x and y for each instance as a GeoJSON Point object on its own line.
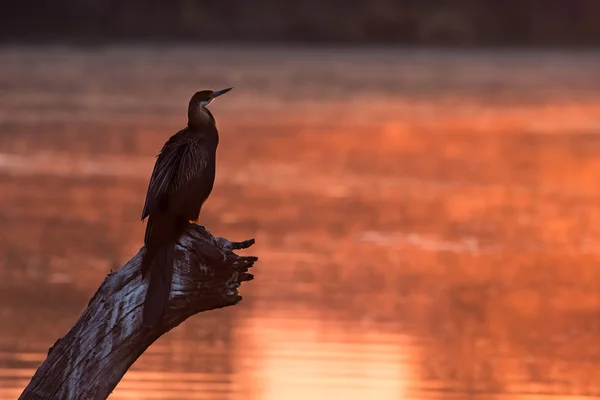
{"type": "Point", "coordinates": [161, 275]}
{"type": "Point", "coordinates": [159, 259]}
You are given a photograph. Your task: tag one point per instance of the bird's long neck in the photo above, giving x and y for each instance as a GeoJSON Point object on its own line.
{"type": "Point", "coordinates": [199, 118]}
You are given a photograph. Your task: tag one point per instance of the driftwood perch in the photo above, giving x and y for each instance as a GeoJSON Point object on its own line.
{"type": "Point", "coordinates": [95, 354]}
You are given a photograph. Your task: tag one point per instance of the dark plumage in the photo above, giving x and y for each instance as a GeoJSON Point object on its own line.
{"type": "Point", "coordinates": [182, 180]}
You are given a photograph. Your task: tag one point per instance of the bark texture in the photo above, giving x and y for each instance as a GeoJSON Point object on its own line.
{"type": "Point", "coordinates": [90, 360]}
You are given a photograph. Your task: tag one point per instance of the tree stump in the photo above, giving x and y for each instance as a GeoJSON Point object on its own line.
{"type": "Point", "coordinates": [95, 354]}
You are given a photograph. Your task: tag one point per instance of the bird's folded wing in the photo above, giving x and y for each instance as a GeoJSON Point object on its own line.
{"type": "Point", "coordinates": [177, 163]}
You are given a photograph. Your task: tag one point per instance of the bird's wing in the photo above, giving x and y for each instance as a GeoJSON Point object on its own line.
{"type": "Point", "coordinates": [177, 163]}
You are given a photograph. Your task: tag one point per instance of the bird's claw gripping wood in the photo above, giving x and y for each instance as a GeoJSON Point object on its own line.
{"type": "Point", "coordinates": [89, 361]}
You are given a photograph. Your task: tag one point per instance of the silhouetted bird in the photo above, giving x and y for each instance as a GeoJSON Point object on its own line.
{"type": "Point", "coordinates": [182, 180]}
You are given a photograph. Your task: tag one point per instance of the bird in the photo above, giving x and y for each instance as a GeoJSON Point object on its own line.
{"type": "Point", "coordinates": [182, 180]}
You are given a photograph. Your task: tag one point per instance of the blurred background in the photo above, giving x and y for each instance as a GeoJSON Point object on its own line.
{"type": "Point", "coordinates": [421, 178]}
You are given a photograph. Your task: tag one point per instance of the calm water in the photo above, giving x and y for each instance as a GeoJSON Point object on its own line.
{"type": "Point", "coordinates": [428, 223]}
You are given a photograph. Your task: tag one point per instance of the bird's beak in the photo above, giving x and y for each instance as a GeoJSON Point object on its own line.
{"type": "Point", "coordinates": [217, 93]}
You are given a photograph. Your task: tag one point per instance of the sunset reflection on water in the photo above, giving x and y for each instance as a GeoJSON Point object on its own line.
{"type": "Point", "coordinates": [427, 224]}
{"type": "Point", "coordinates": [299, 357]}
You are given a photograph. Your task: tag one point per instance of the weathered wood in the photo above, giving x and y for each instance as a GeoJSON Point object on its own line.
{"type": "Point", "coordinates": [95, 354]}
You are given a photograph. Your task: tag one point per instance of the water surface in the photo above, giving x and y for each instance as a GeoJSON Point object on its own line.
{"type": "Point", "coordinates": [427, 222]}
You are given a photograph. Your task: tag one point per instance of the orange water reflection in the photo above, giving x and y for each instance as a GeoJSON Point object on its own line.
{"type": "Point", "coordinates": [301, 355]}
{"type": "Point", "coordinates": [417, 240]}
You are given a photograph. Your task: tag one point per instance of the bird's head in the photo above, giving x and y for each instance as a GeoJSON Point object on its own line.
{"type": "Point", "coordinates": [205, 97]}
{"type": "Point", "coordinates": [198, 114]}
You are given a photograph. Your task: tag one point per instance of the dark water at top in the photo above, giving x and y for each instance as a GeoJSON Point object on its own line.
{"type": "Point", "coordinates": [428, 223]}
